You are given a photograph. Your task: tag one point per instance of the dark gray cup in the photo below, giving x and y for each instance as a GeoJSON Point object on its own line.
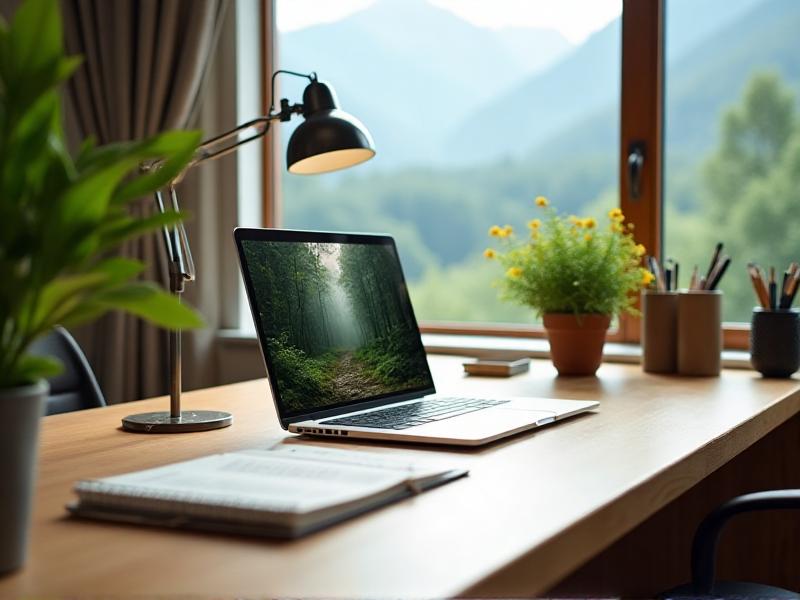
{"type": "Point", "coordinates": [775, 342]}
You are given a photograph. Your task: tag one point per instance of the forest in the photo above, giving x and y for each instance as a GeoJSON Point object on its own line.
{"type": "Point", "coordinates": [334, 325]}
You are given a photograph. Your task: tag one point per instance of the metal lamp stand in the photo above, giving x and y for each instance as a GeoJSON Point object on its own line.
{"type": "Point", "coordinates": [318, 98]}
{"type": "Point", "coordinates": [181, 270]}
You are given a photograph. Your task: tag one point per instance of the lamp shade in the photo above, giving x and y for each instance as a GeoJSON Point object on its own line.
{"type": "Point", "coordinates": [329, 139]}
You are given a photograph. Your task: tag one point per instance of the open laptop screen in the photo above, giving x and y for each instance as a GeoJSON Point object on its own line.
{"type": "Point", "coordinates": [334, 318]}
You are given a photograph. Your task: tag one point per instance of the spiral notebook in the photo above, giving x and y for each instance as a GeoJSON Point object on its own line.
{"type": "Point", "coordinates": [287, 490]}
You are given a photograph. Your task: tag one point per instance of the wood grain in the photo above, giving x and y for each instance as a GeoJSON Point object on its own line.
{"type": "Point", "coordinates": [534, 509]}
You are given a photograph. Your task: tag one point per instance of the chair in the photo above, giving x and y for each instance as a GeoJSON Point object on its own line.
{"type": "Point", "coordinates": [76, 387]}
{"type": "Point", "coordinates": [704, 549]}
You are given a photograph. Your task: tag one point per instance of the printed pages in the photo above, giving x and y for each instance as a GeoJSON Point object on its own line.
{"type": "Point", "coordinates": [285, 491]}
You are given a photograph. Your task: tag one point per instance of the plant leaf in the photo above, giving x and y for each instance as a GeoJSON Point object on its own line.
{"type": "Point", "coordinates": [126, 227]}
{"type": "Point", "coordinates": [56, 295]}
{"type": "Point", "coordinates": [150, 302]}
{"type": "Point", "coordinates": [177, 146]}
{"type": "Point", "coordinates": [31, 368]}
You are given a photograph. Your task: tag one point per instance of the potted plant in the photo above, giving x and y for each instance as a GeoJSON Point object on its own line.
{"type": "Point", "coordinates": [574, 274]}
{"type": "Point", "coordinates": [61, 218]}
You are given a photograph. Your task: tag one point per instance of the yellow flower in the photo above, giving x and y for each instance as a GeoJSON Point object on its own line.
{"type": "Point", "coordinates": [589, 223]}
{"type": "Point", "coordinates": [535, 223]}
{"type": "Point", "coordinates": [514, 272]}
{"type": "Point", "coordinates": [615, 213]}
{"type": "Point", "coordinates": [616, 227]}
{"type": "Point", "coordinates": [640, 250]}
{"type": "Point", "coordinates": [588, 237]}
{"type": "Point", "coordinates": [647, 277]}
{"type": "Point", "coordinates": [541, 201]}
{"type": "Point", "coordinates": [574, 220]}
{"type": "Point", "coordinates": [489, 253]}
{"type": "Point", "coordinates": [495, 231]}
{"type": "Point", "coordinates": [631, 226]}
{"type": "Point", "coordinates": [506, 231]}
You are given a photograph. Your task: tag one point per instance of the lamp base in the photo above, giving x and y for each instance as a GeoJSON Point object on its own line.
{"type": "Point", "coordinates": [189, 421]}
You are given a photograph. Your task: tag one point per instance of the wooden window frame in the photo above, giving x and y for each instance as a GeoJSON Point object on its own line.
{"type": "Point", "coordinates": [641, 120]}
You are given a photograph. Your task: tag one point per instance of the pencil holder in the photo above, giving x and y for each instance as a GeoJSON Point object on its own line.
{"type": "Point", "coordinates": [775, 342]}
{"type": "Point", "coordinates": [659, 331]}
{"type": "Point", "coordinates": [699, 332]}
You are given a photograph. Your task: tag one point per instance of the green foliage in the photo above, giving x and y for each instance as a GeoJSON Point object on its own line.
{"type": "Point", "coordinates": [60, 216]}
{"type": "Point", "coordinates": [568, 265]}
{"type": "Point", "coordinates": [395, 359]}
{"type": "Point", "coordinates": [301, 378]}
{"type": "Point", "coordinates": [750, 185]}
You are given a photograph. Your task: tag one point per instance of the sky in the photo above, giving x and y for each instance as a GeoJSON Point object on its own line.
{"type": "Point", "coordinates": [574, 19]}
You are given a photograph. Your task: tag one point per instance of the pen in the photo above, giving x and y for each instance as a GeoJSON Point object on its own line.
{"type": "Point", "coordinates": [719, 271]}
{"type": "Point", "coordinates": [656, 269]}
{"type": "Point", "coordinates": [772, 290]}
{"type": "Point", "coordinates": [793, 285]}
{"type": "Point", "coordinates": [714, 260]}
{"type": "Point", "coordinates": [693, 280]}
{"type": "Point", "coordinates": [787, 276]}
{"type": "Point", "coordinates": [675, 277]}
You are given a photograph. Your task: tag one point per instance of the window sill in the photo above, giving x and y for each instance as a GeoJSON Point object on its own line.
{"type": "Point", "coordinates": [481, 346]}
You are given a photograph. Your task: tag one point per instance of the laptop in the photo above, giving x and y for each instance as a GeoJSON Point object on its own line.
{"type": "Point", "coordinates": [343, 350]}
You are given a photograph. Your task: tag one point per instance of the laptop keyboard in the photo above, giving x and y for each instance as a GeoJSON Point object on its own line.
{"type": "Point", "coordinates": [416, 413]}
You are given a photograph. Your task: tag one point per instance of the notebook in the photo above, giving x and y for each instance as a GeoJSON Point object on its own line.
{"type": "Point", "coordinates": [343, 350]}
{"type": "Point", "coordinates": [286, 490]}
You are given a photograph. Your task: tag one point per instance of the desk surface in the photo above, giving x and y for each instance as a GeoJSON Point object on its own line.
{"type": "Point", "coordinates": [534, 508]}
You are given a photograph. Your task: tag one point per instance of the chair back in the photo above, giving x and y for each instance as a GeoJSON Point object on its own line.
{"type": "Point", "coordinates": [76, 387]}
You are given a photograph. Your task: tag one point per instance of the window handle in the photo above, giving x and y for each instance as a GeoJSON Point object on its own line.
{"type": "Point", "coordinates": [635, 166]}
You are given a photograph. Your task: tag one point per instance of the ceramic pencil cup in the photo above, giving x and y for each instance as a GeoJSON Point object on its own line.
{"type": "Point", "coordinates": [659, 331]}
{"type": "Point", "coordinates": [775, 342]}
{"type": "Point", "coordinates": [699, 332]}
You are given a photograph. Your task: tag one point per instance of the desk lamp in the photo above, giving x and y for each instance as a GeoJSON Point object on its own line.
{"type": "Point", "coordinates": [327, 140]}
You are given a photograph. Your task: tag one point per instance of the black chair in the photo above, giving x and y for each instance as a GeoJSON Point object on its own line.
{"type": "Point", "coordinates": [76, 387]}
{"type": "Point", "coordinates": [704, 550]}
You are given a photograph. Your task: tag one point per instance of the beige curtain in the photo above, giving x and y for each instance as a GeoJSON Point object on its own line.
{"type": "Point", "coordinates": [144, 64]}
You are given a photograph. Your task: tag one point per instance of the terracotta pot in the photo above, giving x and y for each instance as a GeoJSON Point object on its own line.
{"type": "Point", "coordinates": [576, 342]}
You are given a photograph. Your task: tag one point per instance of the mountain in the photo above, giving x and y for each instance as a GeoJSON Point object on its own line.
{"type": "Point", "coordinates": [700, 84]}
{"type": "Point", "coordinates": [410, 70]}
{"type": "Point", "coordinates": [512, 123]}
{"type": "Point", "coordinates": [582, 83]}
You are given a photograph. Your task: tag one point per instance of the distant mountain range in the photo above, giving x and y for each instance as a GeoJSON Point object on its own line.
{"type": "Point", "coordinates": [437, 90]}
{"type": "Point", "coordinates": [411, 71]}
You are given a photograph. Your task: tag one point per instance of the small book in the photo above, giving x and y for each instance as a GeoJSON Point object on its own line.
{"type": "Point", "coordinates": [287, 490]}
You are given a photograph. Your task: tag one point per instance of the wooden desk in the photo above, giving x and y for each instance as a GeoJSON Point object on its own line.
{"type": "Point", "coordinates": [535, 508]}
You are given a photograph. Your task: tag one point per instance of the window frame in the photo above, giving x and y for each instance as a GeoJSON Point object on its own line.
{"type": "Point", "coordinates": [641, 120]}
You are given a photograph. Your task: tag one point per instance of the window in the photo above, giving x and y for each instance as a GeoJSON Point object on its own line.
{"type": "Point", "coordinates": [732, 139]}
{"type": "Point", "coordinates": [472, 119]}
{"type": "Point", "coordinates": [684, 67]}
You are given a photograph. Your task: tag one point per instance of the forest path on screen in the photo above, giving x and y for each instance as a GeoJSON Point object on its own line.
{"type": "Point", "coordinates": [354, 379]}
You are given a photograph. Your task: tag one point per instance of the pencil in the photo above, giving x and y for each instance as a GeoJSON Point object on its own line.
{"type": "Point", "coordinates": [758, 285]}
{"type": "Point", "coordinates": [693, 280]}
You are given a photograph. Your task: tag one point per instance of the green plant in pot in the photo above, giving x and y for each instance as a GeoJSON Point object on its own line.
{"type": "Point", "coordinates": [61, 218]}
{"type": "Point", "coordinates": [576, 275]}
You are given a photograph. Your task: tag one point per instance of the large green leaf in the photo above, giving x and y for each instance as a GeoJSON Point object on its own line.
{"type": "Point", "coordinates": [88, 198]}
{"type": "Point", "coordinates": [36, 38]}
{"type": "Point", "coordinates": [31, 368]}
{"type": "Point", "coordinates": [151, 303]}
{"type": "Point", "coordinates": [176, 148]}
{"type": "Point", "coordinates": [122, 229]}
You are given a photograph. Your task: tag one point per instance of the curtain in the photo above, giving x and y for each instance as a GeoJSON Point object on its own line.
{"type": "Point", "coordinates": [144, 65]}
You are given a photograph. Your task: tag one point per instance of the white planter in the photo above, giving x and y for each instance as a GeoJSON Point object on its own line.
{"type": "Point", "coordinates": [21, 410]}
